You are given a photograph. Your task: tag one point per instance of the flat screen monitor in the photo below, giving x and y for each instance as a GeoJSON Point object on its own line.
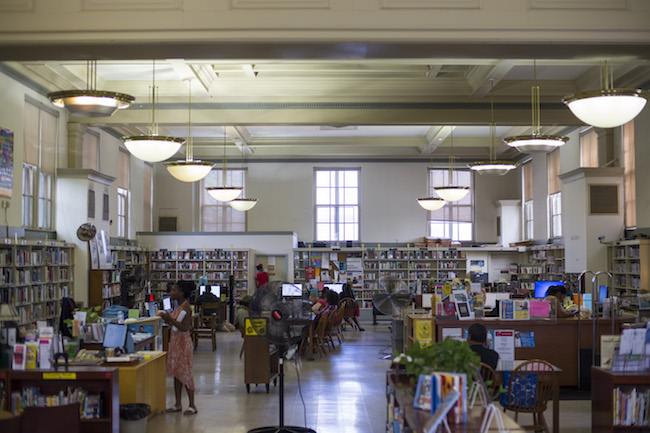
{"type": "Point", "coordinates": [292, 290]}
{"type": "Point", "coordinates": [602, 295]}
{"type": "Point", "coordinates": [215, 290]}
{"type": "Point", "coordinates": [335, 287]}
{"type": "Point", "coordinates": [167, 304]}
{"type": "Point", "coordinates": [202, 290]}
{"type": "Point", "coordinates": [541, 287]}
{"type": "Point", "coordinates": [115, 335]}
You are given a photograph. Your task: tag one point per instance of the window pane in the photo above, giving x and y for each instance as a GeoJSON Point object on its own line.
{"type": "Point", "coordinates": [323, 196]}
{"type": "Point", "coordinates": [351, 178]}
{"type": "Point", "coordinates": [444, 222]}
{"type": "Point", "coordinates": [437, 229]}
{"type": "Point", "coordinates": [464, 231]}
{"type": "Point", "coordinates": [351, 196]}
{"type": "Point", "coordinates": [323, 179]}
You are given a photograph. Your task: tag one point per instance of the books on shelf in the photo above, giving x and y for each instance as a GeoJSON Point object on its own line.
{"type": "Point", "coordinates": [631, 407]}
{"type": "Point", "coordinates": [432, 390]}
{"type": "Point", "coordinates": [90, 404]}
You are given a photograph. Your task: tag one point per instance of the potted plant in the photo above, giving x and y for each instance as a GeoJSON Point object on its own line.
{"type": "Point", "coordinates": [449, 355]}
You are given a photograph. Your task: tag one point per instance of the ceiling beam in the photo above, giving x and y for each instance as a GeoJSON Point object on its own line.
{"type": "Point", "coordinates": [482, 78]}
{"type": "Point", "coordinates": [187, 72]}
{"type": "Point", "coordinates": [241, 137]}
{"type": "Point", "coordinates": [434, 136]}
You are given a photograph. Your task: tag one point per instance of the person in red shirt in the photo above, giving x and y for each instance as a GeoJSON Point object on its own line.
{"type": "Point", "coordinates": [261, 277]}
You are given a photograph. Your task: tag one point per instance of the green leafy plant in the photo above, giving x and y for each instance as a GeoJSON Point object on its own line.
{"type": "Point", "coordinates": [448, 355]}
{"type": "Point", "coordinates": [92, 315]}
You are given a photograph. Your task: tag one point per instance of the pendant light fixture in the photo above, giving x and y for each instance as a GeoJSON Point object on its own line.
{"type": "Point", "coordinates": [153, 147]}
{"type": "Point", "coordinates": [224, 193]}
{"type": "Point", "coordinates": [189, 169]}
{"type": "Point", "coordinates": [607, 107]}
{"type": "Point", "coordinates": [241, 203]}
{"type": "Point", "coordinates": [431, 203]}
{"type": "Point", "coordinates": [452, 192]}
{"type": "Point", "coordinates": [91, 102]}
{"type": "Point", "coordinates": [536, 142]}
{"type": "Point", "coordinates": [492, 166]}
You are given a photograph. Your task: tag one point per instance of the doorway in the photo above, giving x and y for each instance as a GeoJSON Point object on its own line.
{"type": "Point", "coordinates": [274, 265]}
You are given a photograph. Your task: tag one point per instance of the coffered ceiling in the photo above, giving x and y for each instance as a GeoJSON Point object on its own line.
{"type": "Point", "coordinates": [325, 108]}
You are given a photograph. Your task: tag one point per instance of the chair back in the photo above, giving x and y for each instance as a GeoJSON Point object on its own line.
{"type": "Point", "coordinates": [530, 387]}
{"type": "Point", "coordinates": [491, 379]}
{"type": "Point", "coordinates": [40, 419]}
{"type": "Point", "coordinates": [209, 306]}
{"type": "Point", "coordinates": [347, 308]}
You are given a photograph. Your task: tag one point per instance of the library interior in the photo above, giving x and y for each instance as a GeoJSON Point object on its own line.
{"type": "Point", "coordinates": [229, 216]}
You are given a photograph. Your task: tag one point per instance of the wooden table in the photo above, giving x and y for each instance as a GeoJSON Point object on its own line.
{"type": "Point", "coordinates": [511, 365]}
{"type": "Point", "coordinates": [145, 382]}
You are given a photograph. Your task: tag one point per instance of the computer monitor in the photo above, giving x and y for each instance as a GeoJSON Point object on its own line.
{"type": "Point", "coordinates": [292, 290]}
{"type": "Point", "coordinates": [167, 304]}
{"type": "Point", "coordinates": [541, 287]}
{"type": "Point", "coordinates": [216, 290]}
{"type": "Point", "coordinates": [202, 290]}
{"type": "Point", "coordinates": [335, 287]}
{"type": "Point", "coordinates": [602, 295]}
{"type": "Point", "coordinates": [115, 335]}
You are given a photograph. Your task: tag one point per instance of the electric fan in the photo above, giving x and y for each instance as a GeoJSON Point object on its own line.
{"type": "Point", "coordinates": [132, 282]}
{"type": "Point", "coordinates": [272, 317]}
{"type": "Point", "coordinates": [392, 296]}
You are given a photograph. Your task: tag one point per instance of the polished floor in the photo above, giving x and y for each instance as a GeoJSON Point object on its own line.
{"type": "Point", "coordinates": [343, 392]}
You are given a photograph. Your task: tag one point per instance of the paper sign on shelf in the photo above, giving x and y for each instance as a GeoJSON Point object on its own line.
{"type": "Point", "coordinates": [504, 344]}
{"type": "Point", "coordinates": [454, 333]}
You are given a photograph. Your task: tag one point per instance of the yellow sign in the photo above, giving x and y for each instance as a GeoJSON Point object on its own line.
{"type": "Point", "coordinates": [60, 376]}
{"type": "Point", "coordinates": [423, 331]}
{"type": "Point", "coordinates": [255, 326]}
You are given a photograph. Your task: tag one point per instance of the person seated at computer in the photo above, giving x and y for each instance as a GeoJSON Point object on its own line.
{"type": "Point", "coordinates": [315, 304]}
{"type": "Point", "coordinates": [179, 355]}
{"type": "Point", "coordinates": [347, 295]}
{"type": "Point", "coordinates": [477, 340]}
{"type": "Point", "coordinates": [207, 296]}
{"type": "Point", "coordinates": [555, 295]}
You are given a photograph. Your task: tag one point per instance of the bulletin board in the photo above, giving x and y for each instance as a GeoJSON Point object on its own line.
{"type": "Point", "coordinates": [6, 163]}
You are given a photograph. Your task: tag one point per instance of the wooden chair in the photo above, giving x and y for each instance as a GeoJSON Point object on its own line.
{"type": "Point", "coordinates": [336, 322]}
{"type": "Point", "coordinates": [320, 335]}
{"type": "Point", "coordinates": [492, 380]}
{"type": "Point", "coordinates": [529, 389]}
{"type": "Point", "coordinates": [205, 325]}
{"type": "Point", "coordinates": [347, 309]}
{"type": "Point", "coordinates": [54, 419]}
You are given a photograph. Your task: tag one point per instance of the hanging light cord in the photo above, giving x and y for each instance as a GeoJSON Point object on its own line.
{"type": "Point", "coordinates": [91, 74]}
{"type": "Point", "coordinates": [154, 96]}
{"type": "Point", "coordinates": [535, 102]}
{"type": "Point", "coordinates": [225, 160]}
{"type": "Point", "coordinates": [606, 76]}
{"type": "Point", "coordinates": [189, 145]}
{"type": "Point", "coordinates": [492, 125]}
{"type": "Point", "coordinates": [452, 159]}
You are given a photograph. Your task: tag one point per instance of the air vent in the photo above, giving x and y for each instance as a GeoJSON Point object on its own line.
{"type": "Point", "coordinates": [167, 224]}
{"type": "Point", "coordinates": [603, 199]}
{"type": "Point", "coordinates": [105, 207]}
{"type": "Point", "coordinates": [91, 203]}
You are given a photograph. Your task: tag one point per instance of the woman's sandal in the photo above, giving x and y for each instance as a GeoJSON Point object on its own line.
{"type": "Point", "coordinates": [190, 411]}
{"type": "Point", "coordinates": [173, 409]}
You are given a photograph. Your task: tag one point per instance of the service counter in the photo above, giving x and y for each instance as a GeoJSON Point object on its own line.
{"type": "Point", "coordinates": [145, 382]}
{"type": "Point", "coordinates": [556, 341]}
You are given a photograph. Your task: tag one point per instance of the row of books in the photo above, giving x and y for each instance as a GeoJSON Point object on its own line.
{"type": "Point", "coordinates": [394, 415]}
{"type": "Point", "coordinates": [31, 313]}
{"type": "Point", "coordinates": [432, 390]}
{"type": "Point", "coordinates": [111, 276]}
{"type": "Point", "coordinates": [28, 295]}
{"type": "Point", "coordinates": [199, 255]}
{"type": "Point", "coordinates": [631, 407]}
{"type": "Point", "coordinates": [90, 405]}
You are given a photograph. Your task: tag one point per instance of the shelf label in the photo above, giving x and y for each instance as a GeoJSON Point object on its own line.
{"type": "Point", "coordinates": [60, 376]}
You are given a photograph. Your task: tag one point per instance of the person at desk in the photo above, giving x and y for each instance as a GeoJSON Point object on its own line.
{"type": "Point", "coordinates": [207, 296]}
{"type": "Point", "coordinates": [555, 295]}
{"type": "Point", "coordinates": [179, 356]}
{"type": "Point", "coordinates": [315, 305]}
{"type": "Point", "coordinates": [261, 277]}
{"type": "Point", "coordinates": [477, 340]}
{"type": "Point", "coordinates": [347, 294]}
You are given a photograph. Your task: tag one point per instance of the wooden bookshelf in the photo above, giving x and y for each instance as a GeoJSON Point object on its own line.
{"type": "Point", "coordinates": [34, 276]}
{"type": "Point", "coordinates": [217, 265]}
{"type": "Point", "coordinates": [95, 380]}
{"type": "Point", "coordinates": [541, 263]}
{"type": "Point", "coordinates": [629, 264]}
{"type": "Point", "coordinates": [603, 384]}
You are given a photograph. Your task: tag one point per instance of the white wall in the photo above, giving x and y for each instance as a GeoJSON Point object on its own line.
{"type": "Point", "coordinates": [642, 156]}
{"type": "Point", "coordinates": [388, 192]}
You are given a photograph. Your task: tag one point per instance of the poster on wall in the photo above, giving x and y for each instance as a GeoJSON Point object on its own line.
{"type": "Point", "coordinates": [6, 163]}
{"type": "Point", "coordinates": [94, 255]}
{"type": "Point", "coordinates": [105, 261]}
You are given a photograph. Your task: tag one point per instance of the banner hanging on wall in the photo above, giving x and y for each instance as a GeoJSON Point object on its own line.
{"type": "Point", "coordinates": [6, 162]}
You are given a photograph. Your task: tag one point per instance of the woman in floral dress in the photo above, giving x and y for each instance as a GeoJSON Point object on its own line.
{"type": "Point", "coordinates": [179, 356]}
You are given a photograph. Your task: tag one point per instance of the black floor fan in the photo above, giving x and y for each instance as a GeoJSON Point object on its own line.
{"type": "Point", "coordinates": [271, 316]}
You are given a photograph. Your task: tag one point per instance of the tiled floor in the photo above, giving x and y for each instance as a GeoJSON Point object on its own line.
{"type": "Point", "coordinates": [343, 393]}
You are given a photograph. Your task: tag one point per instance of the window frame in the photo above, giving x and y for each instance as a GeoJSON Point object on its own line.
{"type": "Point", "coordinates": [335, 208]}
{"type": "Point", "coordinates": [122, 212]}
{"type": "Point", "coordinates": [28, 197]}
{"type": "Point", "coordinates": [555, 215]}
{"type": "Point", "coordinates": [45, 200]}
{"type": "Point", "coordinates": [451, 225]}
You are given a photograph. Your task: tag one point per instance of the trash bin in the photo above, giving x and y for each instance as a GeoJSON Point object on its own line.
{"type": "Point", "coordinates": [133, 417]}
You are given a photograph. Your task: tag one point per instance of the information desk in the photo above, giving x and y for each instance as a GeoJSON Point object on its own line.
{"type": "Point", "coordinates": [556, 341]}
{"type": "Point", "coordinates": [145, 382]}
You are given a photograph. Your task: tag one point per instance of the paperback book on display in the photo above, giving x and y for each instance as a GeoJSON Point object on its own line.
{"type": "Point", "coordinates": [434, 388]}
